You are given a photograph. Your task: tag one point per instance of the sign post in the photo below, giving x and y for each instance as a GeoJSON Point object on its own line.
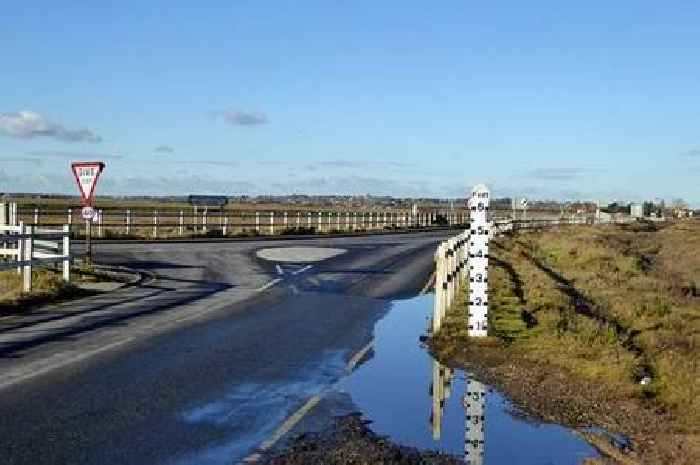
{"type": "Point", "coordinates": [86, 175]}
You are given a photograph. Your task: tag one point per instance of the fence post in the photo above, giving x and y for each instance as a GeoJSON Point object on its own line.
{"type": "Point", "coordinates": [298, 219]}
{"type": "Point", "coordinates": [285, 220]}
{"type": "Point", "coordinates": [225, 227]}
{"type": "Point", "coordinates": [66, 253]}
{"type": "Point", "coordinates": [272, 223]}
{"type": "Point", "coordinates": [354, 221]}
{"type": "Point", "coordinates": [437, 308]}
{"type": "Point", "coordinates": [181, 228]}
{"type": "Point", "coordinates": [128, 222]}
{"type": "Point", "coordinates": [204, 221]}
{"type": "Point", "coordinates": [320, 222]}
{"type": "Point", "coordinates": [28, 253]}
{"type": "Point", "coordinates": [20, 248]}
{"type": "Point", "coordinates": [36, 216]}
{"type": "Point", "coordinates": [99, 223]}
{"type": "Point", "coordinates": [155, 224]}
{"type": "Point", "coordinates": [257, 222]}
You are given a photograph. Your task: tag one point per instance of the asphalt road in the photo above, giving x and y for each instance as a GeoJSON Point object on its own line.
{"type": "Point", "coordinates": [202, 361]}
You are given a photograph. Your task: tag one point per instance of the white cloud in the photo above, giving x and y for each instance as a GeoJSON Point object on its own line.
{"type": "Point", "coordinates": [26, 124]}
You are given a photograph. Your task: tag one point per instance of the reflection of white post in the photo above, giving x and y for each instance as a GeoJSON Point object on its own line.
{"type": "Point", "coordinates": [436, 414]}
{"type": "Point", "coordinates": [474, 402]}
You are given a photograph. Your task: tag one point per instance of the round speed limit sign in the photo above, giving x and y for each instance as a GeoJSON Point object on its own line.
{"type": "Point", "coordinates": [88, 213]}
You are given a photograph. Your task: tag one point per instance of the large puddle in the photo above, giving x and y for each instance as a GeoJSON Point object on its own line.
{"type": "Point", "coordinates": [417, 402]}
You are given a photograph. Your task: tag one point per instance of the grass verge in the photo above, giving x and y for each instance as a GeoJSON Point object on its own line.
{"type": "Point", "coordinates": [596, 325]}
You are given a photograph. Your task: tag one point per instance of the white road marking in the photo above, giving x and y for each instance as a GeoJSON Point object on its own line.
{"type": "Point", "coordinates": [297, 416]}
{"type": "Point", "coordinates": [283, 429]}
{"type": "Point", "coordinates": [50, 367]}
{"type": "Point", "coordinates": [280, 271]}
{"type": "Point", "coordinates": [352, 363]}
{"type": "Point", "coordinates": [301, 270]}
{"type": "Point", "coordinates": [428, 284]}
{"type": "Point", "coordinates": [268, 285]}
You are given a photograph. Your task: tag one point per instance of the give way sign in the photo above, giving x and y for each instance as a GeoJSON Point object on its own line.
{"type": "Point", "coordinates": [86, 175]}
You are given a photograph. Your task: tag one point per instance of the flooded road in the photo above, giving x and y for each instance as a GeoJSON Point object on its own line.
{"type": "Point", "coordinates": [418, 402]}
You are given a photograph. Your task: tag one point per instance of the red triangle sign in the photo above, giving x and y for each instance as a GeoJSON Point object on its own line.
{"type": "Point", "coordinates": [86, 175]}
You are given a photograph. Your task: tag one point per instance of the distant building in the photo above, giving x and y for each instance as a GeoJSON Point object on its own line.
{"type": "Point", "coordinates": [636, 210]}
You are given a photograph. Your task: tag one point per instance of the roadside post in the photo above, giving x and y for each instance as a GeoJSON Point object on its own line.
{"type": "Point", "coordinates": [477, 323]}
{"type": "Point", "coordinates": [87, 173]}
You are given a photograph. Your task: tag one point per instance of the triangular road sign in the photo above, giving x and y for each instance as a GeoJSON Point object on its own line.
{"type": "Point", "coordinates": [86, 175]}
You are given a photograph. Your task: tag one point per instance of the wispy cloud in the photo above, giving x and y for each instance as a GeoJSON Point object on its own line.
{"type": "Point", "coordinates": [364, 164]}
{"type": "Point", "coordinates": [27, 124]}
{"type": "Point", "coordinates": [208, 162]}
{"type": "Point", "coordinates": [244, 118]}
{"type": "Point", "coordinates": [73, 155]}
{"type": "Point", "coordinates": [556, 174]}
{"type": "Point", "coordinates": [695, 153]}
{"type": "Point", "coordinates": [164, 149]}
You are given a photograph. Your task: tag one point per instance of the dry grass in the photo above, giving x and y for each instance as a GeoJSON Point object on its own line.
{"type": "Point", "coordinates": [603, 307]}
{"type": "Point", "coordinates": [47, 286]}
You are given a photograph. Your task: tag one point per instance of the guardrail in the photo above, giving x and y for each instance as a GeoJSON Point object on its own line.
{"type": "Point", "coordinates": [452, 260]}
{"type": "Point", "coordinates": [29, 246]}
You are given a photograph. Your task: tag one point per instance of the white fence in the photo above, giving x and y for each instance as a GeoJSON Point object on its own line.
{"type": "Point", "coordinates": [23, 247]}
{"type": "Point", "coordinates": [453, 259]}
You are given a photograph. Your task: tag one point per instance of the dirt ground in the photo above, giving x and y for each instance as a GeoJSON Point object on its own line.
{"type": "Point", "coordinates": [351, 442]}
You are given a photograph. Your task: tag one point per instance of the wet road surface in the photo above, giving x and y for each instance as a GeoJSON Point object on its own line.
{"type": "Point", "coordinates": [202, 362]}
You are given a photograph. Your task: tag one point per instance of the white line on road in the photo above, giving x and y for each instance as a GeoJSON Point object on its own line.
{"type": "Point", "coordinates": [352, 363]}
{"type": "Point", "coordinates": [52, 366]}
{"type": "Point", "coordinates": [297, 416]}
{"type": "Point", "coordinates": [280, 271]}
{"type": "Point", "coordinates": [268, 285]}
{"type": "Point", "coordinates": [283, 429]}
{"type": "Point", "coordinates": [428, 284]}
{"type": "Point", "coordinates": [301, 270]}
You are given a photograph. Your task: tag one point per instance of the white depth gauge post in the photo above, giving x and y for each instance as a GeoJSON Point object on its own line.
{"type": "Point", "coordinates": [480, 232]}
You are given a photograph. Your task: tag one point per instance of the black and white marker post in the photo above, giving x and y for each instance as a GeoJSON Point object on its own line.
{"type": "Point", "coordinates": [480, 232]}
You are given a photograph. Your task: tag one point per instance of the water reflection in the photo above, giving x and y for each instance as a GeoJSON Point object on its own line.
{"type": "Point", "coordinates": [474, 403]}
{"type": "Point", "coordinates": [390, 389]}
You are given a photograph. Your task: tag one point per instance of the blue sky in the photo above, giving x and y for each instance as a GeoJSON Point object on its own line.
{"type": "Point", "coordinates": [598, 100]}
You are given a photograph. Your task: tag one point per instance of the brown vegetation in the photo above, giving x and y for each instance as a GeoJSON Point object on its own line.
{"type": "Point", "coordinates": [597, 325]}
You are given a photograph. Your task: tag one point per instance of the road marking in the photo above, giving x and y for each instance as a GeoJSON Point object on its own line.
{"type": "Point", "coordinates": [283, 429]}
{"type": "Point", "coordinates": [268, 285]}
{"type": "Point", "coordinates": [297, 416]}
{"type": "Point", "coordinates": [301, 270]}
{"type": "Point", "coordinates": [428, 284]}
{"type": "Point", "coordinates": [352, 363]}
{"type": "Point", "coordinates": [280, 271]}
{"type": "Point", "coordinates": [63, 363]}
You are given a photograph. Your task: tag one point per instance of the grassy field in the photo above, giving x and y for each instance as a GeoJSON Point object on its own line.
{"type": "Point", "coordinates": [616, 308]}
